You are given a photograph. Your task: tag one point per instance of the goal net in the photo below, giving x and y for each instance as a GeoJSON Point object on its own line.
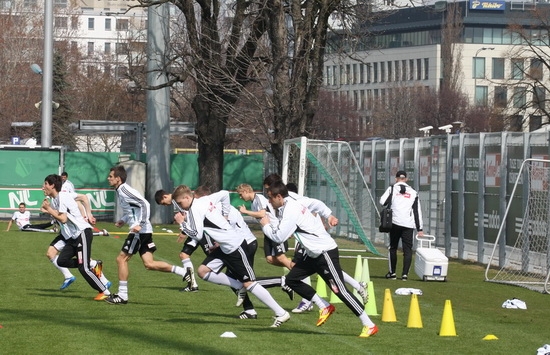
{"type": "Point", "coordinates": [522, 259]}
{"type": "Point", "coordinates": [328, 171]}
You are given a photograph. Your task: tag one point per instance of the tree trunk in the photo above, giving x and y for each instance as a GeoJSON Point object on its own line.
{"type": "Point", "coordinates": [210, 129]}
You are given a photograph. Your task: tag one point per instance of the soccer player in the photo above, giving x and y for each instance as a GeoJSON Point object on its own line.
{"type": "Point", "coordinates": [203, 217]}
{"type": "Point", "coordinates": [164, 198]}
{"type": "Point", "coordinates": [67, 184]}
{"type": "Point", "coordinates": [136, 212]}
{"type": "Point", "coordinates": [322, 255]}
{"type": "Point", "coordinates": [22, 219]}
{"type": "Point", "coordinates": [77, 233]}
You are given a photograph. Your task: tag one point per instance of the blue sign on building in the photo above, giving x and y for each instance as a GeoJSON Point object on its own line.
{"type": "Point", "coordinates": [495, 5]}
{"type": "Point", "coordinates": [15, 140]}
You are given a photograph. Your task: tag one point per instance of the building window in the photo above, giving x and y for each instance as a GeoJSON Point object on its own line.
{"type": "Point", "coordinates": [390, 71]}
{"type": "Point", "coordinates": [382, 71]}
{"type": "Point", "coordinates": [60, 4]}
{"type": "Point", "coordinates": [501, 96]}
{"type": "Point", "coordinates": [121, 48]}
{"type": "Point", "coordinates": [403, 70]}
{"type": "Point", "coordinates": [535, 70]}
{"type": "Point", "coordinates": [107, 47]}
{"type": "Point", "coordinates": [479, 68]}
{"type": "Point", "coordinates": [361, 73]}
{"type": "Point", "coordinates": [519, 99]}
{"type": "Point", "coordinates": [517, 69]}
{"type": "Point", "coordinates": [426, 68]}
{"type": "Point", "coordinates": [498, 68]}
{"type": "Point", "coordinates": [122, 25]}
{"type": "Point", "coordinates": [355, 74]}
{"type": "Point", "coordinates": [481, 95]}
{"type": "Point", "coordinates": [411, 69]}
{"type": "Point", "coordinates": [334, 73]}
{"type": "Point", "coordinates": [397, 70]}
{"type": "Point", "coordinates": [90, 48]}
{"type": "Point", "coordinates": [535, 122]}
{"type": "Point", "coordinates": [108, 24]}
{"type": "Point", "coordinates": [539, 97]}
{"type": "Point", "coordinates": [348, 76]}
{"type": "Point", "coordinates": [369, 73]}
{"type": "Point", "coordinates": [91, 23]}
{"type": "Point", "coordinates": [375, 72]}
{"type": "Point", "coordinates": [419, 69]}
{"type": "Point", "coordinates": [342, 74]}
{"type": "Point", "coordinates": [60, 22]}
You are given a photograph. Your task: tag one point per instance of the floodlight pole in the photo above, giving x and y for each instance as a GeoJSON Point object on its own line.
{"type": "Point", "coordinates": [158, 111]}
{"type": "Point", "coordinates": [47, 76]}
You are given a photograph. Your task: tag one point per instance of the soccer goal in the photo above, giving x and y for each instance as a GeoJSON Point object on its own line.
{"type": "Point", "coordinates": [328, 171]}
{"type": "Point", "coordinates": [522, 259]}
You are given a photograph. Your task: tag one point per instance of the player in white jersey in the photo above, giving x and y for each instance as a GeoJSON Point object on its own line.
{"type": "Point", "coordinates": [203, 217]}
{"type": "Point", "coordinates": [77, 233]}
{"type": "Point", "coordinates": [22, 219]}
{"type": "Point", "coordinates": [67, 184]}
{"type": "Point", "coordinates": [135, 213]}
{"type": "Point", "coordinates": [222, 200]}
{"type": "Point", "coordinates": [321, 251]}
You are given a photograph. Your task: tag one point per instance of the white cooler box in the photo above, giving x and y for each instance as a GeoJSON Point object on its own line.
{"type": "Point", "coordinates": [430, 263]}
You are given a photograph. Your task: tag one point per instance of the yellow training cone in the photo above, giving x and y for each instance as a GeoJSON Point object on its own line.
{"type": "Point", "coordinates": [357, 277]}
{"type": "Point", "coordinates": [365, 274]}
{"type": "Point", "coordinates": [447, 323]}
{"type": "Point", "coordinates": [370, 307]}
{"type": "Point", "coordinates": [388, 312]}
{"type": "Point", "coordinates": [321, 287]}
{"type": "Point", "coordinates": [490, 337]}
{"type": "Point", "coordinates": [415, 320]}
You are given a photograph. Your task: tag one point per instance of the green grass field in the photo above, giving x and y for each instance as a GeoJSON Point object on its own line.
{"type": "Point", "coordinates": [37, 318]}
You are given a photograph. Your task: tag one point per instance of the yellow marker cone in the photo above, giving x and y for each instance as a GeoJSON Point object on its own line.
{"type": "Point", "coordinates": [490, 337]}
{"type": "Point", "coordinates": [415, 319]}
{"type": "Point", "coordinates": [370, 307]}
{"type": "Point", "coordinates": [321, 287]}
{"type": "Point", "coordinates": [447, 323]}
{"type": "Point", "coordinates": [357, 277]}
{"type": "Point", "coordinates": [365, 275]}
{"type": "Point", "coordinates": [388, 312]}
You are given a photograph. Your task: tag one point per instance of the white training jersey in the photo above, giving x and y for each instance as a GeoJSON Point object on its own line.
{"type": "Point", "coordinates": [406, 211]}
{"type": "Point", "coordinates": [296, 218]}
{"type": "Point", "coordinates": [259, 203]}
{"type": "Point", "coordinates": [67, 187]}
{"type": "Point", "coordinates": [21, 219]}
{"type": "Point", "coordinates": [204, 217]}
{"type": "Point", "coordinates": [136, 210]}
{"type": "Point", "coordinates": [66, 203]}
{"type": "Point", "coordinates": [314, 205]}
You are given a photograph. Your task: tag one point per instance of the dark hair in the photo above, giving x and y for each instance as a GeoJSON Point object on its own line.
{"type": "Point", "coordinates": [201, 191]}
{"type": "Point", "coordinates": [64, 174]}
{"type": "Point", "coordinates": [120, 172]}
{"type": "Point", "coordinates": [159, 195]}
{"type": "Point", "coordinates": [278, 188]}
{"type": "Point", "coordinates": [55, 180]}
{"type": "Point", "coordinates": [271, 178]}
{"type": "Point", "coordinates": [292, 187]}
{"type": "Point", "coordinates": [22, 204]}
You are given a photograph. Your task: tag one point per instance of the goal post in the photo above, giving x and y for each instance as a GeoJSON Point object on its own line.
{"type": "Point", "coordinates": [328, 171]}
{"type": "Point", "coordinates": [522, 259]}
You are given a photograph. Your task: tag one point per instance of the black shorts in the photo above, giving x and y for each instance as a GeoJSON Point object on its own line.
{"type": "Point", "coordinates": [272, 249]}
{"type": "Point", "coordinates": [190, 245]}
{"type": "Point", "coordinates": [58, 242]}
{"type": "Point", "coordinates": [299, 252]}
{"type": "Point", "coordinates": [141, 243]}
{"type": "Point", "coordinates": [236, 262]}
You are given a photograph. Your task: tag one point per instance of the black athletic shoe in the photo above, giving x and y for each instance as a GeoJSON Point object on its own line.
{"type": "Point", "coordinates": [289, 292]}
{"type": "Point", "coordinates": [115, 299]}
{"type": "Point", "coordinates": [246, 315]}
{"type": "Point", "coordinates": [391, 276]}
{"type": "Point", "coordinates": [189, 289]}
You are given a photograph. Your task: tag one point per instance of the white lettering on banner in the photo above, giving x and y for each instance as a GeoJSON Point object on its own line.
{"type": "Point", "coordinates": [535, 228]}
{"type": "Point", "coordinates": [98, 199]}
{"type": "Point", "coordinates": [490, 221]}
{"type": "Point", "coordinates": [512, 177]}
{"type": "Point", "coordinates": [17, 197]}
{"type": "Point", "coordinates": [472, 162]}
{"type": "Point", "coordinates": [472, 175]}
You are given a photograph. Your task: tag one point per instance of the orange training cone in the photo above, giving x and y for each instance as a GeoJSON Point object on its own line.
{"type": "Point", "coordinates": [415, 320]}
{"type": "Point", "coordinates": [365, 275]}
{"type": "Point", "coordinates": [370, 307]}
{"type": "Point", "coordinates": [321, 287]}
{"type": "Point", "coordinates": [388, 312]}
{"type": "Point", "coordinates": [447, 323]}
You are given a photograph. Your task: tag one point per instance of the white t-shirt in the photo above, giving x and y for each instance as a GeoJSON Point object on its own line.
{"type": "Point", "coordinates": [67, 187]}
{"type": "Point", "coordinates": [21, 219]}
{"type": "Point", "coordinates": [65, 203]}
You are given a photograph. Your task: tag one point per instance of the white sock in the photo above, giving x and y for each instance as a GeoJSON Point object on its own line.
{"type": "Point", "coordinates": [351, 281]}
{"type": "Point", "coordinates": [263, 295]}
{"type": "Point", "coordinates": [178, 270]}
{"type": "Point", "coordinates": [223, 279]}
{"type": "Point", "coordinates": [66, 273]}
{"type": "Point", "coordinates": [319, 302]}
{"type": "Point", "coordinates": [187, 263]}
{"type": "Point", "coordinates": [365, 320]}
{"type": "Point", "coordinates": [123, 289]}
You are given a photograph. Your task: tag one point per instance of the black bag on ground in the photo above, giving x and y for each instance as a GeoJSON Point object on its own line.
{"type": "Point", "coordinates": [386, 215]}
